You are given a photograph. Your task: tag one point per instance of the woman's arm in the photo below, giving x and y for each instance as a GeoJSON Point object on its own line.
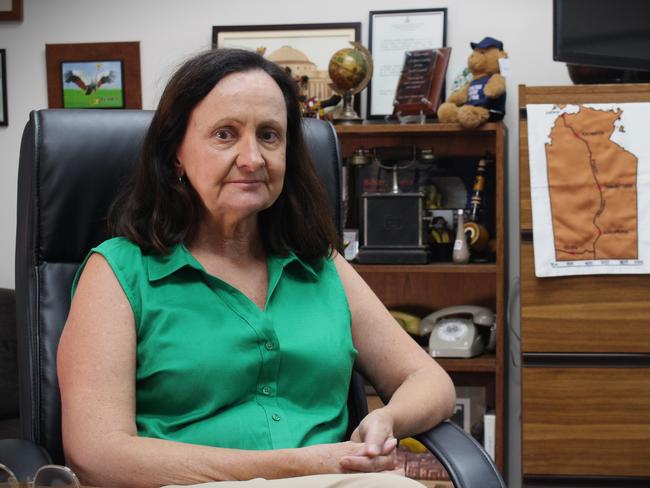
{"type": "Point", "coordinates": [419, 391]}
{"type": "Point", "coordinates": [96, 370]}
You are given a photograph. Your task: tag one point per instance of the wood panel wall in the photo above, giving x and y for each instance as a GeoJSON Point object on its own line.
{"type": "Point", "coordinates": [585, 343]}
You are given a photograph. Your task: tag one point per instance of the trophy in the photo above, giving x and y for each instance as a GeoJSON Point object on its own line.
{"type": "Point", "coordinates": [420, 84]}
{"type": "Point", "coordinates": [350, 70]}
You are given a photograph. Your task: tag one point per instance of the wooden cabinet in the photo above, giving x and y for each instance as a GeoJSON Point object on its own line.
{"type": "Point", "coordinates": [583, 420]}
{"type": "Point", "coordinates": [422, 289]}
{"type": "Point", "coordinates": [585, 343]}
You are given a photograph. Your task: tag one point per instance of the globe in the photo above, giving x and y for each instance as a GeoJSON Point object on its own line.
{"type": "Point", "coordinates": [348, 68]}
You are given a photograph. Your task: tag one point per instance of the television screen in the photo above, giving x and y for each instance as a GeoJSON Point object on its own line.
{"type": "Point", "coordinates": [603, 33]}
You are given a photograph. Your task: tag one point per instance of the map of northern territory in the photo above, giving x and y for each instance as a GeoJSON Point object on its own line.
{"type": "Point", "coordinates": [592, 183]}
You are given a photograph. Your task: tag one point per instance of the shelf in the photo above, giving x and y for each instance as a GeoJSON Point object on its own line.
{"type": "Point", "coordinates": [426, 268]}
{"type": "Point", "coordinates": [485, 363]}
{"type": "Point", "coordinates": [373, 128]}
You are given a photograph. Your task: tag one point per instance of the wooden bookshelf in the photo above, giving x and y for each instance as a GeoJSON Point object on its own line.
{"type": "Point", "coordinates": [422, 289]}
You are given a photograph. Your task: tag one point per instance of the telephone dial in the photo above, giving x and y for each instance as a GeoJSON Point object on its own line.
{"type": "Point", "coordinates": [455, 331]}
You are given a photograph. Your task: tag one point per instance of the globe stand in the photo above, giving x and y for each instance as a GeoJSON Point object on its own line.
{"type": "Point", "coordinates": [343, 73]}
{"type": "Point", "coordinates": [346, 114]}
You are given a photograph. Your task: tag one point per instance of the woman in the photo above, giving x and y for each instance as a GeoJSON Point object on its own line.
{"type": "Point", "coordinates": [215, 338]}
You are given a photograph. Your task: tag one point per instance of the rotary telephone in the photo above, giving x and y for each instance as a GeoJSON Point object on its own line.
{"type": "Point", "coordinates": [455, 331]}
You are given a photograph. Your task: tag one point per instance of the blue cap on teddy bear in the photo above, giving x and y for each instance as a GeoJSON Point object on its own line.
{"type": "Point", "coordinates": [487, 42]}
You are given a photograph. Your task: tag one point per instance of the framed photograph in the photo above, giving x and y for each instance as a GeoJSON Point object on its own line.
{"type": "Point", "coordinates": [92, 84]}
{"type": "Point", "coordinates": [461, 413]}
{"type": "Point", "coordinates": [95, 75]}
{"type": "Point", "coordinates": [473, 397]}
{"type": "Point", "coordinates": [393, 33]}
{"type": "Point", "coordinates": [11, 9]}
{"type": "Point", "coordinates": [304, 49]}
{"type": "Point", "coordinates": [3, 88]}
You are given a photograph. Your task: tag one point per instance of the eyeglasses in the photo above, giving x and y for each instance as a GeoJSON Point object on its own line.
{"type": "Point", "coordinates": [48, 475]}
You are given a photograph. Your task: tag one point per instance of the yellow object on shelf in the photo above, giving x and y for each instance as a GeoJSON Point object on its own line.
{"type": "Point", "coordinates": [410, 323]}
{"type": "Point", "coordinates": [412, 445]}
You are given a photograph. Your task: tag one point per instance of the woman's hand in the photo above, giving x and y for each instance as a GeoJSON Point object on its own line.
{"type": "Point", "coordinates": [324, 458]}
{"type": "Point", "coordinates": [378, 453]}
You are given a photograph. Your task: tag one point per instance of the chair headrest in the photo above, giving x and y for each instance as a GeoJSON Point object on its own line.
{"type": "Point", "coordinates": [75, 161]}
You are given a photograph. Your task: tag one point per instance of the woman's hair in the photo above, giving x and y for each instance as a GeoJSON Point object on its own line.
{"type": "Point", "coordinates": [157, 211]}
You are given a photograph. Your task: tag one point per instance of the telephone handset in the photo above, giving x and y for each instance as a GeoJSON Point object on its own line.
{"type": "Point", "coordinates": [454, 331]}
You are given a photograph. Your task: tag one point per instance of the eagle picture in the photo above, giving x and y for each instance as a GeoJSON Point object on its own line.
{"type": "Point", "coordinates": [88, 83]}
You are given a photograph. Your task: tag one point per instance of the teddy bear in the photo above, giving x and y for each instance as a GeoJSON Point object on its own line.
{"type": "Point", "coordinates": [483, 99]}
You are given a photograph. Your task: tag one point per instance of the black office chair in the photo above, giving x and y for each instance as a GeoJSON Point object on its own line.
{"type": "Point", "coordinates": [71, 164]}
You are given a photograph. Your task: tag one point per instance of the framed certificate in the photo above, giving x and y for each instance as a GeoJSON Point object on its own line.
{"type": "Point", "coordinates": [392, 34]}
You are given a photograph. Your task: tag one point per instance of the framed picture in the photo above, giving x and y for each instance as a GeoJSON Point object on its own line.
{"type": "Point", "coordinates": [92, 84]}
{"type": "Point", "coordinates": [95, 75]}
{"type": "Point", "coordinates": [473, 400]}
{"type": "Point", "coordinates": [461, 413]}
{"type": "Point", "coordinates": [11, 10]}
{"type": "Point", "coordinates": [304, 49]}
{"type": "Point", "coordinates": [3, 88]}
{"type": "Point", "coordinates": [393, 33]}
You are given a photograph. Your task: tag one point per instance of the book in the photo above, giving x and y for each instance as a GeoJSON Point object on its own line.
{"type": "Point", "coordinates": [420, 465]}
{"type": "Point", "coordinates": [489, 432]}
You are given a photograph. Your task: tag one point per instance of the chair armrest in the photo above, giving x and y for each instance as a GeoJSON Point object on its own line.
{"type": "Point", "coordinates": [466, 462]}
{"type": "Point", "coordinates": [23, 457]}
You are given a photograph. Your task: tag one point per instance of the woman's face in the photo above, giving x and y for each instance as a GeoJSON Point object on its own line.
{"type": "Point", "coordinates": [233, 152]}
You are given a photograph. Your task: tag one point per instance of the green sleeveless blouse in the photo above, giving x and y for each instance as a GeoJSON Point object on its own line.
{"type": "Point", "coordinates": [213, 369]}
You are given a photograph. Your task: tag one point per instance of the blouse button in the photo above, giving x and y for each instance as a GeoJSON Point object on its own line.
{"type": "Point", "coordinates": [275, 417]}
{"type": "Point", "coordinates": [266, 390]}
{"type": "Point", "coordinates": [269, 346]}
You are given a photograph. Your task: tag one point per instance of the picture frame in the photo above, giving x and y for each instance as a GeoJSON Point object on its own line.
{"type": "Point", "coordinates": [106, 75]}
{"type": "Point", "coordinates": [392, 33]}
{"type": "Point", "coordinates": [315, 43]}
{"type": "Point", "coordinates": [105, 89]}
{"type": "Point", "coordinates": [461, 415]}
{"type": "Point", "coordinates": [474, 400]}
{"type": "Point", "coordinates": [4, 119]}
{"type": "Point", "coordinates": [11, 10]}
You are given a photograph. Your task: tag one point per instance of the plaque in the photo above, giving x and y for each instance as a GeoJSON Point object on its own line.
{"type": "Point", "coordinates": [420, 85]}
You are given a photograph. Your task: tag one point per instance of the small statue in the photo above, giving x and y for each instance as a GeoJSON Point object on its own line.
{"type": "Point", "coordinates": [440, 231]}
{"type": "Point", "coordinates": [311, 106]}
{"type": "Point", "coordinates": [432, 196]}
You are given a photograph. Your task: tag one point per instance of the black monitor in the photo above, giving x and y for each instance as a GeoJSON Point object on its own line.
{"type": "Point", "coordinates": [602, 33]}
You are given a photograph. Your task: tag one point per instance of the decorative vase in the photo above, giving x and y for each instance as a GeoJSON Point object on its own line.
{"type": "Point", "coordinates": [460, 254]}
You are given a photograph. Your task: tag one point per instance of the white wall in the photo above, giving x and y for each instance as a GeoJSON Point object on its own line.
{"type": "Point", "coordinates": [170, 30]}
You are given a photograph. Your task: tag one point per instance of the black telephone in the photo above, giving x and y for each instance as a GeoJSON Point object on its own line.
{"type": "Point", "coordinates": [454, 331]}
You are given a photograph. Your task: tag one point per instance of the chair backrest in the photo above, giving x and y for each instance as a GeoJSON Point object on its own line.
{"type": "Point", "coordinates": [8, 366]}
{"type": "Point", "coordinates": [72, 163]}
